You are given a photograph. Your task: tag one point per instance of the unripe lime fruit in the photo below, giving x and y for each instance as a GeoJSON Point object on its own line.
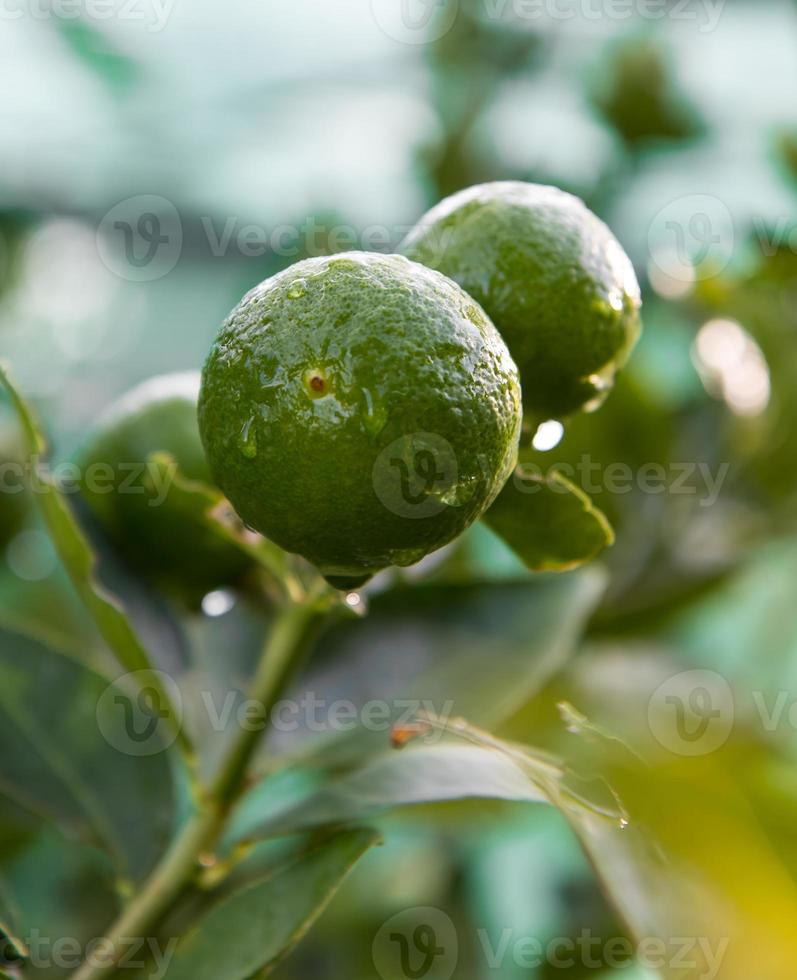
{"type": "Point", "coordinates": [133, 499]}
{"type": "Point", "coordinates": [359, 410]}
{"type": "Point", "coordinates": [550, 275]}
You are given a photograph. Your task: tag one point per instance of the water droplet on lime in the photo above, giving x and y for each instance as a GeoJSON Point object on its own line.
{"type": "Point", "coordinates": [374, 414]}
{"type": "Point", "coordinates": [460, 493]}
{"type": "Point", "coordinates": [247, 441]}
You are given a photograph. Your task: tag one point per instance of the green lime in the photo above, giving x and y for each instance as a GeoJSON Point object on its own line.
{"type": "Point", "coordinates": [132, 498]}
{"type": "Point", "coordinates": [359, 410]}
{"type": "Point", "coordinates": [552, 278]}
{"type": "Point", "coordinates": [639, 97]}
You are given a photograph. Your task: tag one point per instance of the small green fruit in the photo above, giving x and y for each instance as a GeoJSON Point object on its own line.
{"type": "Point", "coordinates": [550, 275]}
{"type": "Point", "coordinates": [132, 499]}
{"type": "Point", "coordinates": [359, 410]}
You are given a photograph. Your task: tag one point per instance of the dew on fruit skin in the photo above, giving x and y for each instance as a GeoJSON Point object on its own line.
{"type": "Point", "coordinates": [458, 493]}
{"type": "Point", "coordinates": [270, 378]}
{"type": "Point", "coordinates": [297, 289]}
{"type": "Point", "coordinates": [406, 556]}
{"type": "Point", "coordinates": [247, 439]}
{"type": "Point", "coordinates": [375, 414]}
{"type": "Point", "coordinates": [602, 308]}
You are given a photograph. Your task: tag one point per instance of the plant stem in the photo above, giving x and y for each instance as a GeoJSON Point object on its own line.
{"type": "Point", "coordinates": [290, 636]}
{"type": "Point", "coordinates": [288, 639]}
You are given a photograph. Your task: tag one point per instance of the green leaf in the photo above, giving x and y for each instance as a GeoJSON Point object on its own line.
{"type": "Point", "coordinates": [76, 553]}
{"type": "Point", "coordinates": [209, 507]}
{"type": "Point", "coordinates": [548, 522]}
{"type": "Point", "coordinates": [481, 652]}
{"type": "Point", "coordinates": [251, 930]}
{"type": "Point", "coordinates": [64, 738]}
{"type": "Point", "coordinates": [420, 774]}
{"type": "Point", "coordinates": [666, 866]}
{"type": "Point", "coordinates": [61, 897]}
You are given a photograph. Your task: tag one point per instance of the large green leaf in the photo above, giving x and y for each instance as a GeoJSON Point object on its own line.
{"type": "Point", "coordinates": [61, 896]}
{"type": "Point", "coordinates": [476, 651]}
{"type": "Point", "coordinates": [250, 931]}
{"type": "Point", "coordinates": [707, 914]}
{"type": "Point", "coordinates": [77, 555]}
{"type": "Point", "coordinates": [480, 652]}
{"type": "Point", "coordinates": [64, 735]}
{"type": "Point", "coordinates": [420, 774]}
{"type": "Point", "coordinates": [549, 522]}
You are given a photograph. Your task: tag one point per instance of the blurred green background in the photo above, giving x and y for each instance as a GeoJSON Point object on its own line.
{"type": "Point", "coordinates": [157, 162]}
